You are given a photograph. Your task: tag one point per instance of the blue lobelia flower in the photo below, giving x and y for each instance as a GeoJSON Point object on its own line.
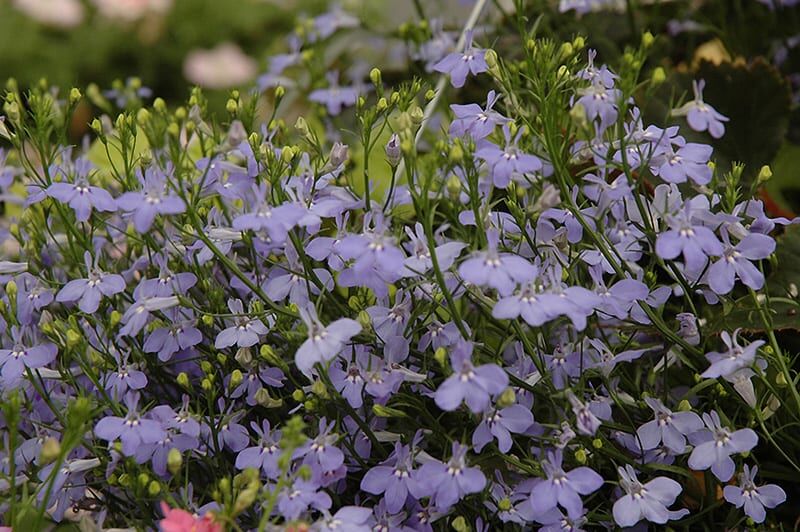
{"type": "Point", "coordinates": [263, 456]}
{"type": "Point", "coordinates": [501, 271]}
{"type": "Point", "coordinates": [499, 424]}
{"type": "Point", "coordinates": [133, 430]}
{"type": "Point", "coordinates": [475, 385]}
{"type": "Point", "coordinates": [460, 64]}
{"type": "Point", "coordinates": [22, 356]}
{"type": "Point", "coordinates": [508, 162]}
{"type": "Point", "coordinates": [715, 444]}
{"type": "Point", "coordinates": [668, 427]}
{"type": "Point", "coordinates": [88, 292]}
{"type": "Point", "coordinates": [646, 501]}
{"type": "Point", "coordinates": [700, 115]}
{"type": "Point", "coordinates": [475, 121]}
{"type": "Point", "coordinates": [335, 97]}
{"type": "Point", "coordinates": [154, 199]}
{"type": "Point", "coordinates": [394, 478]}
{"type": "Point", "coordinates": [688, 237]}
{"type": "Point", "coordinates": [735, 262]}
{"type": "Point", "coordinates": [754, 498]}
{"type": "Point", "coordinates": [735, 358]}
{"type": "Point", "coordinates": [323, 343]}
{"type": "Point", "coordinates": [562, 488]}
{"type": "Point", "coordinates": [80, 194]}
{"type": "Point", "coordinates": [446, 484]}
{"type": "Point", "coordinates": [244, 333]}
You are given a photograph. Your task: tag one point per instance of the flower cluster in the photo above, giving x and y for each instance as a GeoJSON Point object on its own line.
{"type": "Point", "coordinates": [238, 323]}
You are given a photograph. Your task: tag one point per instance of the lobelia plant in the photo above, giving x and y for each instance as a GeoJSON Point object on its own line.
{"type": "Point", "coordinates": [231, 324]}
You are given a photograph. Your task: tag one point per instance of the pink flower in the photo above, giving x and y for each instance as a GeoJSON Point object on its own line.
{"type": "Point", "coordinates": [177, 520]}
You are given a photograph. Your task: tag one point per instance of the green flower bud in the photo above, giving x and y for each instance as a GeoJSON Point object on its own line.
{"type": "Point", "coordinates": [236, 378]}
{"type": "Point", "coordinates": [364, 319]}
{"type": "Point", "coordinates": [51, 450]}
{"type": "Point", "coordinates": [183, 380]}
{"type": "Point", "coordinates": [581, 456]}
{"type": "Point", "coordinates": [387, 412]}
{"type": "Point", "coordinates": [764, 174]}
{"type": "Point", "coordinates": [658, 76]}
{"type": "Point", "coordinates": [459, 524]}
{"type": "Point", "coordinates": [417, 115]}
{"type": "Point", "coordinates": [174, 461]}
{"type": "Point", "coordinates": [507, 398]}
{"type": "Point", "coordinates": [647, 39]}
{"type": "Point", "coordinates": [440, 355]}
{"type": "Point", "coordinates": [456, 154]}
{"type": "Point", "coordinates": [597, 443]}
{"type": "Point", "coordinates": [11, 289]}
{"type": "Point", "coordinates": [244, 356]}
{"type": "Point", "coordinates": [154, 488]}
{"type": "Point", "coordinates": [298, 395]}
{"type": "Point", "coordinates": [279, 92]}
{"type": "Point", "coordinates": [73, 338]}
{"type": "Point", "coordinates": [375, 76]}
{"type": "Point", "coordinates": [453, 186]}
{"type": "Point", "coordinates": [319, 389]}
{"type": "Point", "coordinates": [74, 95]}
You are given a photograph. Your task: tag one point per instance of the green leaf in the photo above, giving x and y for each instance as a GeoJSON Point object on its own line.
{"type": "Point", "coordinates": [784, 187]}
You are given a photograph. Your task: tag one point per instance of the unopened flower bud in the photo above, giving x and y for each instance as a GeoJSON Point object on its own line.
{"type": "Point", "coordinates": [417, 115]}
{"type": "Point", "coordinates": [301, 126]}
{"type": "Point", "coordinates": [579, 42]}
{"type": "Point", "coordinates": [456, 154]}
{"type": "Point", "coordinates": [597, 443]}
{"type": "Point", "coordinates": [51, 449]}
{"type": "Point", "coordinates": [375, 76]}
{"type": "Point", "coordinates": [440, 355]}
{"type": "Point", "coordinates": [298, 395]}
{"type": "Point", "coordinates": [11, 289]}
{"type": "Point", "coordinates": [507, 398]}
{"type": "Point", "coordinates": [393, 151]}
{"type": "Point", "coordinates": [430, 94]}
{"type": "Point", "coordinates": [364, 319]}
{"type": "Point", "coordinates": [339, 154]}
{"type": "Point", "coordinates": [236, 378]}
{"type": "Point", "coordinates": [74, 95]}
{"type": "Point", "coordinates": [658, 76]}
{"type": "Point", "coordinates": [453, 186]}
{"type": "Point", "coordinates": [764, 174]}
{"type": "Point", "coordinates": [154, 488]}
{"type": "Point", "coordinates": [387, 412]}
{"type": "Point", "coordinates": [491, 59]}
{"type": "Point", "coordinates": [183, 380]}
{"type": "Point", "coordinates": [174, 461]}
{"type": "Point", "coordinates": [459, 524]}
{"type": "Point", "coordinates": [243, 356]}
{"type": "Point", "coordinates": [566, 50]}
{"type": "Point", "coordinates": [279, 92]}
{"type": "Point", "coordinates": [73, 338]}
{"type": "Point", "coordinates": [581, 456]}
{"type": "Point", "coordinates": [382, 104]}
{"type": "Point", "coordinates": [647, 39]}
